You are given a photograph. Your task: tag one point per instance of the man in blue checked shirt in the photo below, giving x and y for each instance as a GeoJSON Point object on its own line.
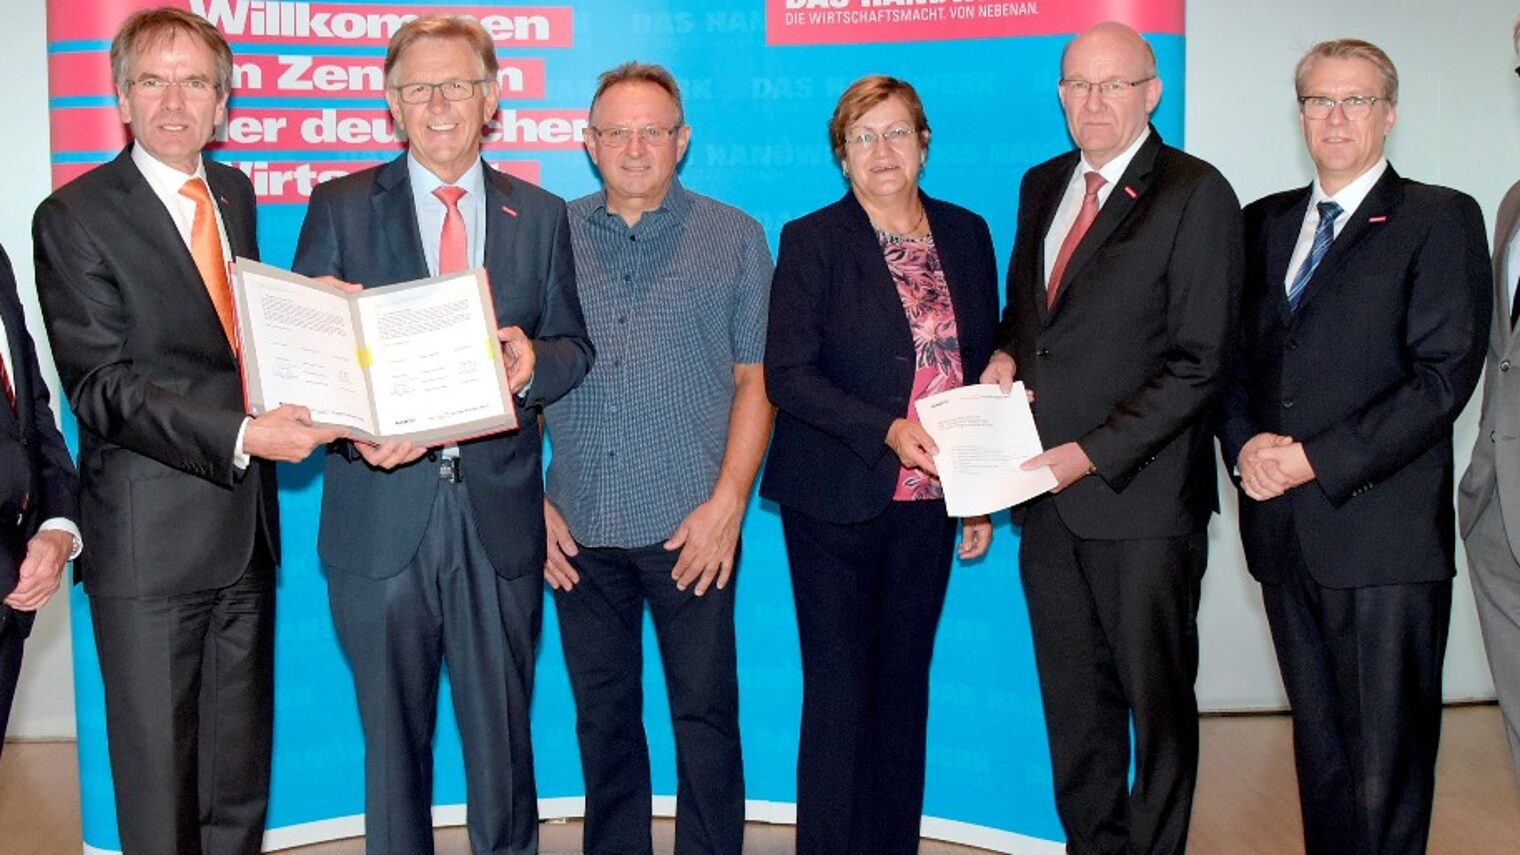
{"type": "Point", "coordinates": [654, 457]}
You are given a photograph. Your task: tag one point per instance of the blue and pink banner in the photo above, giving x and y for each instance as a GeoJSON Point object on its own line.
{"type": "Point", "coordinates": [760, 78]}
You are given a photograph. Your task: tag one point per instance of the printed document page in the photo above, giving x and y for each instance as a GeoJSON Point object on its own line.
{"type": "Point", "coordinates": [984, 437]}
{"type": "Point", "coordinates": [414, 361]}
{"type": "Point", "coordinates": [307, 352]}
{"type": "Point", "coordinates": [433, 356]}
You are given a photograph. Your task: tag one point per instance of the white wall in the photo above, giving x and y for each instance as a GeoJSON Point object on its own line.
{"type": "Point", "coordinates": [1459, 124]}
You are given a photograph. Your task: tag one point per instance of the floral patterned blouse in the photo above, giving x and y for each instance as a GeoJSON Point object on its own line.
{"type": "Point", "coordinates": [936, 345]}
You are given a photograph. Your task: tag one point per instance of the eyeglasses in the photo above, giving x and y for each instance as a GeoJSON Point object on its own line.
{"type": "Point", "coordinates": [192, 89]}
{"type": "Point", "coordinates": [1355, 107]}
{"type": "Point", "coordinates": [895, 136]}
{"type": "Point", "coordinates": [451, 90]}
{"type": "Point", "coordinates": [1108, 90]}
{"type": "Point", "coordinates": [653, 136]}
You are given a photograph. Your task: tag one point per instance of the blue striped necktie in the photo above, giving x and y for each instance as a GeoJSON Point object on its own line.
{"type": "Point", "coordinates": [1324, 234]}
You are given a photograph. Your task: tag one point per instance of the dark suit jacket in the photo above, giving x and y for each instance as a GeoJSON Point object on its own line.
{"type": "Point", "coordinates": [363, 228]}
{"type": "Point", "coordinates": [1131, 359]}
{"type": "Point", "coordinates": [154, 383]}
{"type": "Point", "coordinates": [37, 479]}
{"type": "Point", "coordinates": [1369, 373]}
{"type": "Point", "coordinates": [839, 359]}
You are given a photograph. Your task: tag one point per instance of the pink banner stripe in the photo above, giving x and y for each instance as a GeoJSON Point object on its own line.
{"type": "Point", "coordinates": [65, 22]}
{"type": "Point", "coordinates": [71, 74]}
{"type": "Point", "coordinates": [812, 22]}
{"type": "Point", "coordinates": [87, 129]}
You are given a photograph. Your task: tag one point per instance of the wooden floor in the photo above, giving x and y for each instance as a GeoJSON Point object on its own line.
{"type": "Point", "coordinates": [1246, 804]}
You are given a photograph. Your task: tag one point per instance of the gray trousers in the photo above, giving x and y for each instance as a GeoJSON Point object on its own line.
{"type": "Point", "coordinates": [447, 604]}
{"type": "Point", "coordinates": [1496, 589]}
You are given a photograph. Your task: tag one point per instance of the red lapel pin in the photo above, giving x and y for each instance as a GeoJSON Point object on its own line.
{"type": "Point", "coordinates": [1378, 219]}
{"type": "Point", "coordinates": [507, 210]}
{"type": "Point", "coordinates": [1131, 191]}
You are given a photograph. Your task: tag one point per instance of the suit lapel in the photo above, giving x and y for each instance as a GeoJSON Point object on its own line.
{"type": "Point", "coordinates": [875, 278]}
{"type": "Point", "coordinates": [1122, 199]}
{"type": "Point", "coordinates": [233, 220]}
{"type": "Point", "coordinates": [395, 218]}
{"type": "Point", "coordinates": [1508, 221]}
{"type": "Point", "coordinates": [1369, 218]}
{"type": "Point", "coordinates": [11, 316]}
{"type": "Point", "coordinates": [501, 233]}
{"type": "Point", "coordinates": [144, 211]}
{"type": "Point", "coordinates": [1048, 197]}
{"type": "Point", "coordinates": [1282, 237]}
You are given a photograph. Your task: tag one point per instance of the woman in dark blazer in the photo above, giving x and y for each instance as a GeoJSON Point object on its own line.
{"type": "Point", "coordinates": [879, 299]}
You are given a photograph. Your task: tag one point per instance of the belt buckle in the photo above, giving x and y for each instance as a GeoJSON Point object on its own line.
{"type": "Point", "coordinates": [448, 469]}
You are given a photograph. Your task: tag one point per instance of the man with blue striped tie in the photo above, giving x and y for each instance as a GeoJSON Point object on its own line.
{"type": "Point", "coordinates": [1367, 302]}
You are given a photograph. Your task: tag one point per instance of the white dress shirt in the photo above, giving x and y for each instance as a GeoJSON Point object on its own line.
{"type": "Point", "coordinates": [166, 182]}
{"type": "Point", "coordinates": [1076, 188]}
{"type": "Point", "coordinates": [431, 210]}
{"type": "Point", "coordinates": [1349, 198]}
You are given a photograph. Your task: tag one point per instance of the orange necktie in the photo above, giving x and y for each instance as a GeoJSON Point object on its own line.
{"type": "Point", "coordinates": [206, 249]}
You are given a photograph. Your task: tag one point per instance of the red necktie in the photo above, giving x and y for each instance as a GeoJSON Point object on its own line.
{"type": "Point", "coordinates": [453, 245]}
{"type": "Point", "coordinates": [10, 390]}
{"type": "Point", "coordinates": [206, 250]}
{"type": "Point", "coordinates": [1079, 228]}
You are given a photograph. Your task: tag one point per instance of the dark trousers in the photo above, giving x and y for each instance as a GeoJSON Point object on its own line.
{"type": "Point", "coordinates": [189, 684]}
{"type": "Point", "coordinates": [12, 642]}
{"type": "Point", "coordinates": [869, 597]}
{"type": "Point", "coordinates": [1362, 667]}
{"type": "Point", "coordinates": [601, 624]}
{"type": "Point", "coordinates": [1116, 644]}
{"type": "Point", "coordinates": [446, 604]}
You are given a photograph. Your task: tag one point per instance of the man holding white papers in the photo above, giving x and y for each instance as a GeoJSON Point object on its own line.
{"type": "Point", "coordinates": [442, 557]}
{"type": "Point", "coordinates": [654, 458]}
{"type": "Point", "coordinates": [179, 501]}
{"type": "Point", "coordinates": [1123, 295]}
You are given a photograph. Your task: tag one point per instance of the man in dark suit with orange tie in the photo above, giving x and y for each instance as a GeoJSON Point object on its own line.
{"type": "Point", "coordinates": [438, 555]}
{"type": "Point", "coordinates": [1367, 305]}
{"type": "Point", "coordinates": [39, 491]}
{"type": "Point", "coordinates": [1123, 296]}
{"type": "Point", "coordinates": [178, 503]}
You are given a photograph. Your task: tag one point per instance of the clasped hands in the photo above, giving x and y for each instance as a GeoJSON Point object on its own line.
{"type": "Point", "coordinates": [1271, 464]}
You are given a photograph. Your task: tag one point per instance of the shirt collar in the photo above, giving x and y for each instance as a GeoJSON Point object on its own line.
{"type": "Point", "coordinates": [424, 182]}
{"type": "Point", "coordinates": [677, 202]}
{"type": "Point", "coordinates": [1351, 196]}
{"type": "Point", "coordinates": [1114, 169]}
{"type": "Point", "coordinates": [165, 179]}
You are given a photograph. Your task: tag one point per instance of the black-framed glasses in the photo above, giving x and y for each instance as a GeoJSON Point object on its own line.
{"type": "Point", "coordinates": [1073, 87]}
{"type": "Point", "coordinates": [1354, 107]}
{"type": "Point", "coordinates": [451, 90]}
{"type": "Point", "coordinates": [191, 89]}
{"type": "Point", "coordinates": [652, 135]}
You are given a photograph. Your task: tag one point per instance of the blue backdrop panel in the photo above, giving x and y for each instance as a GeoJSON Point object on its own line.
{"type": "Point", "coordinates": [759, 111]}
